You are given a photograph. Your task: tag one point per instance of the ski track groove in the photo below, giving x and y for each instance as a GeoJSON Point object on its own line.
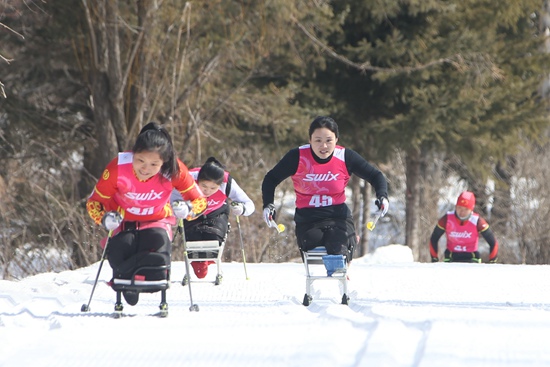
{"type": "Point", "coordinates": [372, 315]}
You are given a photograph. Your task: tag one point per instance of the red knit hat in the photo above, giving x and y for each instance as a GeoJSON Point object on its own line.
{"type": "Point", "coordinates": [467, 199]}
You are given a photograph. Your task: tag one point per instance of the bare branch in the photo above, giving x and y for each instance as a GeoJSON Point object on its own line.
{"type": "Point", "coordinates": [92, 33]}
{"type": "Point", "coordinates": [12, 30]}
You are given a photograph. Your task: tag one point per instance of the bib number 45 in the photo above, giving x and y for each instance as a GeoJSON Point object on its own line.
{"type": "Point", "coordinates": [320, 200]}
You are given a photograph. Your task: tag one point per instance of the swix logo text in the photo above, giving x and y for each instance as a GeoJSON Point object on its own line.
{"type": "Point", "coordinates": [144, 195]}
{"type": "Point", "coordinates": [321, 177]}
{"type": "Point", "coordinates": [464, 234]}
{"type": "Point", "coordinates": [212, 202]}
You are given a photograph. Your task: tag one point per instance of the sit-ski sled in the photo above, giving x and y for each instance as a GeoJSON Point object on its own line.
{"type": "Point", "coordinates": [210, 250]}
{"type": "Point", "coordinates": [142, 286]}
{"type": "Point", "coordinates": [135, 284]}
{"type": "Point", "coordinates": [334, 268]}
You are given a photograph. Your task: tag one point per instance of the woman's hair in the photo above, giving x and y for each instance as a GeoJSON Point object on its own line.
{"type": "Point", "coordinates": [212, 170]}
{"type": "Point", "coordinates": [155, 138]}
{"type": "Point", "coordinates": [324, 121]}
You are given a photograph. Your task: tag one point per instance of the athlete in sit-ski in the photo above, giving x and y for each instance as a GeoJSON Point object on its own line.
{"type": "Point", "coordinates": [462, 228]}
{"type": "Point", "coordinates": [320, 172]}
{"type": "Point", "coordinates": [131, 199]}
{"type": "Point", "coordinates": [217, 185]}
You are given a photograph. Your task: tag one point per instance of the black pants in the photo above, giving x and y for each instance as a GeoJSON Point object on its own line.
{"type": "Point", "coordinates": [211, 227]}
{"type": "Point", "coordinates": [336, 235]}
{"type": "Point", "coordinates": [462, 257]}
{"type": "Point", "coordinates": [134, 248]}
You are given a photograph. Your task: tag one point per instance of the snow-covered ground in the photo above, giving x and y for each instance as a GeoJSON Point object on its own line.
{"type": "Point", "coordinates": [400, 313]}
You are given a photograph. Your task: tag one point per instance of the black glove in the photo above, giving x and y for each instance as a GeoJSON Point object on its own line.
{"type": "Point", "coordinates": [269, 214]}
{"type": "Point", "coordinates": [383, 205]}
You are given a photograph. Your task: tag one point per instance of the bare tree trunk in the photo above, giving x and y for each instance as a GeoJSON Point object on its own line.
{"type": "Point", "coordinates": [97, 156]}
{"type": "Point", "coordinates": [356, 211]}
{"type": "Point", "coordinates": [432, 179]}
{"type": "Point", "coordinates": [502, 204]}
{"type": "Point", "coordinates": [113, 65]}
{"type": "Point", "coordinates": [412, 199]}
{"type": "Point", "coordinates": [140, 93]}
{"type": "Point", "coordinates": [545, 29]}
{"type": "Point", "coordinates": [364, 240]}
{"type": "Point", "coordinates": [109, 81]}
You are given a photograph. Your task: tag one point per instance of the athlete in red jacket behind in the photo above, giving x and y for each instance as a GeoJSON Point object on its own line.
{"type": "Point", "coordinates": [462, 228]}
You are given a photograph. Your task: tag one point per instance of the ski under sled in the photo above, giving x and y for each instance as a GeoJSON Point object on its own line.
{"type": "Point", "coordinates": [333, 268]}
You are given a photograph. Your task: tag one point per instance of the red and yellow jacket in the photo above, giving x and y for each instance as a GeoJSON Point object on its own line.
{"type": "Point", "coordinates": [120, 190]}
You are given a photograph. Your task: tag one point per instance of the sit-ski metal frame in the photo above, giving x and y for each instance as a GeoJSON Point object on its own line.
{"type": "Point", "coordinates": [210, 250]}
{"type": "Point", "coordinates": [315, 257]}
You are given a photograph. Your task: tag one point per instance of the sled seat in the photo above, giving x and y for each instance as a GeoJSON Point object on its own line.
{"type": "Point", "coordinates": [208, 250]}
{"type": "Point", "coordinates": [140, 285]}
{"type": "Point", "coordinates": [321, 266]}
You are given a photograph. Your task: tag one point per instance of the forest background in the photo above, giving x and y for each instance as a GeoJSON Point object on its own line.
{"type": "Point", "coordinates": [441, 95]}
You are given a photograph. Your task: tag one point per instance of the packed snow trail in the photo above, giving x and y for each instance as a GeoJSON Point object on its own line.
{"type": "Point", "coordinates": [400, 314]}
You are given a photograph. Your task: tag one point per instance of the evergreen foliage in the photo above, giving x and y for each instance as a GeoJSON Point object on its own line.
{"type": "Point", "coordinates": [456, 80]}
{"type": "Point", "coordinates": [460, 77]}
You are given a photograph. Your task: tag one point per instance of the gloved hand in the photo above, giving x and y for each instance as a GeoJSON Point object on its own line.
{"type": "Point", "coordinates": [237, 208]}
{"type": "Point", "coordinates": [383, 205]}
{"type": "Point", "coordinates": [111, 220]}
{"type": "Point", "coordinates": [198, 206]}
{"type": "Point", "coordinates": [269, 214]}
{"type": "Point", "coordinates": [181, 209]}
{"type": "Point", "coordinates": [435, 259]}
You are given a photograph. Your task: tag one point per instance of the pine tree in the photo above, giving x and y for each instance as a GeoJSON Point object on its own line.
{"type": "Point", "coordinates": [457, 76]}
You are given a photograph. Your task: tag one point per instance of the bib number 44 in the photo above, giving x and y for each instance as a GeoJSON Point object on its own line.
{"type": "Point", "coordinates": [320, 200]}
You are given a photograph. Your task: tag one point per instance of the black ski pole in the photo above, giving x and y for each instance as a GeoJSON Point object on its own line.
{"type": "Point", "coordinates": [193, 306]}
{"type": "Point", "coordinates": [86, 307]}
{"type": "Point", "coordinates": [242, 246]}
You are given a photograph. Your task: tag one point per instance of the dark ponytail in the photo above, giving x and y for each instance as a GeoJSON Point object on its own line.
{"type": "Point", "coordinates": [155, 138]}
{"type": "Point", "coordinates": [212, 170]}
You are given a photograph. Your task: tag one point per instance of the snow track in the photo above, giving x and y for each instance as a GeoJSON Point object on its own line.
{"type": "Point", "coordinates": [400, 314]}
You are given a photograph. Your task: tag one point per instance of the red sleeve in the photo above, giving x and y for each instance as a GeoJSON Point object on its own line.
{"type": "Point", "coordinates": [442, 222]}
{"type": "Point", "coordinates": [106, 187]}
{"type": "Point", "coordinates": [189, 190]}
{"type": "Point", "coordinates": [482, 224]}
{"type": "Point", "coordinates": [185, 184]}
{"type": "Point", "coordinates": [483, 228]}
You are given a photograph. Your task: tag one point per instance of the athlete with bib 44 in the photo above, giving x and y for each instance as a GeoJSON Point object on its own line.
{"type": "Point", "coordinates": [462, 228]}
{"type": "Point", "coordinates": [320, 172]}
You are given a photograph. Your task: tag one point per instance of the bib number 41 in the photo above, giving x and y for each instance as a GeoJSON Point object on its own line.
{"type": "Point", "coordinates": [141, 211]}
